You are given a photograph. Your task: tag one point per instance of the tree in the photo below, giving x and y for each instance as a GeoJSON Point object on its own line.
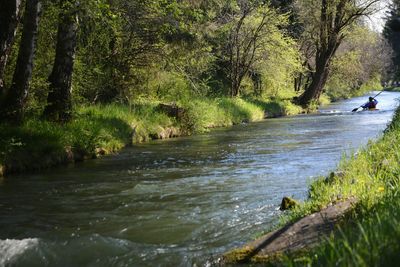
{"type": "Point", "coordinates": [9, 17]}
{"type": "Point", "coordinates": [59, 100]}
{"type": "Point", "coordinates": [288, 7]}
{"type": "Point", "coordinates": [393, 19]}
{"type": "Point", "coordinates": [359, 64]}
{"type": "Point", "coordinates": [335, 17]}
{"type": "Point", "coordinates": [392, 34]}
{"type": "Point", "coordinates": [156, 44]}
{"type": "Point", "coordinates": [247, 38]}
{"type": "Point", "coordinates": [14, 100]}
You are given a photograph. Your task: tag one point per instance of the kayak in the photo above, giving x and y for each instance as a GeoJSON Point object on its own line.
{"type": "Point", "coordinates": [370, 109]}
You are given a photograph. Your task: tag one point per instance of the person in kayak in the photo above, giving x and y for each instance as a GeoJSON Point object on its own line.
{"type": "Point", "coordinates": [371, 104]}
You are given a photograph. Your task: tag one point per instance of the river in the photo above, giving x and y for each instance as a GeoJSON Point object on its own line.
{"type": "Point", "coordinates": [182, 201]}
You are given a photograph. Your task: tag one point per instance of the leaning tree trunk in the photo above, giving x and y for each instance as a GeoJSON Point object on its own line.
{"type": "Point", "coordinates": [59, 102]}
{"type": "Point", "coordinates": [313, 91]}
{"type": "Point", "coordinates": [320, 76]}
{"type": "Point", "coordinates": [9, 18]}
{"type": "Point", "coordinates": [13, 104]}
{"type": "Point", "coordinates": [330, 37]}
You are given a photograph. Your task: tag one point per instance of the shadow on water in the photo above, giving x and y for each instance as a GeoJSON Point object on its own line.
{"type": "Point", "coordinates": [177, 202]}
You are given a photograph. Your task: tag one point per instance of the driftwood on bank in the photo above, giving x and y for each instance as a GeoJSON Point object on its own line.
{"type": "Point", "coordinates": [301, 235]}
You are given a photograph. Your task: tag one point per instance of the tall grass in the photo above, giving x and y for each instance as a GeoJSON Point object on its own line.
{"type": "Point", "coordinates": [208, 113]}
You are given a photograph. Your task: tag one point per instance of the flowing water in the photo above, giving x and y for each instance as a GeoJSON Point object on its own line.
{"type": "Point", "coordinates": [178, 202]}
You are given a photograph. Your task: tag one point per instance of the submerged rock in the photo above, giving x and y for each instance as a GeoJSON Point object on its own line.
{"type": "Point", "coordinates": [288, 203]}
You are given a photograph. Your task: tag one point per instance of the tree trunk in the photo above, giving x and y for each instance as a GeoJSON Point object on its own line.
{"type": "Point", "coordinates": [14, 101]}
{"type": "Point", "coordinates": [9, 18]}
{"type": "Point", "coordinates": [59, 102]}
{"type": "Point", "coordinates": [336, 17]}
{"type": "Point", "coordinates": [319, 78]}
{"type": "Point", "coordinates": [318, 82]}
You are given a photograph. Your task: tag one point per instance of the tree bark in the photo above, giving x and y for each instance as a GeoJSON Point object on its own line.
{"type": "Point", "coordinates": [9, 18]}
{"type": "Point", "coordinates": [315, 88]}
{"type": "Point", "coordinates": [59, 102]}
{"type": "Point", "coordinates": [320, 76]}
{"type": "Point", "coordinates": [15, 98]}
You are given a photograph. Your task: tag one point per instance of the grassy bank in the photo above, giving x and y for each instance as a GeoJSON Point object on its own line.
{"type": "Point", "coordinates": [370, 236]}
{"type": "Point", "coordinates": [100, 130]}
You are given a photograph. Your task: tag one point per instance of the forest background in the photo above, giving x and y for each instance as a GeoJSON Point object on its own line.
{"type": "Point", "coordinates": [96, 75]}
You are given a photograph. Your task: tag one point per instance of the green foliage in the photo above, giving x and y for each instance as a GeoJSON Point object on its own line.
{"type": "Point", "coordinates": [277, 107]}
{"type": "Point", "coordinates": [204, 114]}
{"type": "Point", "coordinates": [94, 74]}
{"type": "Point", "coordinates": [281, 67]}
{"type": "Point", "coordinates": [22, 146]}
{"type": "Point", "coordinates": [392, 35]}
{"type": "Point", "coordinates": [170, 50]}
{"type": "Point", "coordinates": [239, 110]}
{"type": "Point", "coordinates": [170, 86]}
{"type": "Point", "coordinates": [252, 48]}
{"type": "Point", "coordinates": [357, 66]}
{"type": "Point", "coordinates": [344, 79]}
{"type": "Point", "coordinates": [40, 144]}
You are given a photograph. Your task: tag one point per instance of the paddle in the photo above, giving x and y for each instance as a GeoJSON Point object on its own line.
{"type": "Point", "coordinates": [354, 110]}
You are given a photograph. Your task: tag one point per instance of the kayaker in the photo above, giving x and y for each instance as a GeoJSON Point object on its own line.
{"type": "Point", "coordinates": [371, 104]}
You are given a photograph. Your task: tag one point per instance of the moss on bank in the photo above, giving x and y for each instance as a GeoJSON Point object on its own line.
{"type": "Point", "coordinates": [100, 130]}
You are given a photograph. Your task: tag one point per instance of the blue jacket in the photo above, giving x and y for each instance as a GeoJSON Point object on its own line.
{"type": "Point", "coordinates": [371, 104]}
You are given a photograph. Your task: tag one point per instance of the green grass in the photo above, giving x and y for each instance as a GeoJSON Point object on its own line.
{"type": "Point", "coordinates": [276, 107]}
{"type": "Point", "coordinates": [370, 236]}
{"type": "Point", "coordinates": [98, 130]}
{"type": "Point", "coordinates": [40, 144]}
{"type": "Point", "coordinates": [204, 114]}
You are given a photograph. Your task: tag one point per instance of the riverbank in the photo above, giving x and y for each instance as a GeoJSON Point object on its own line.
{"type": "Point", "coordinates": [369, 235]}
{"type": "Point", "coordinates": [102, 130]}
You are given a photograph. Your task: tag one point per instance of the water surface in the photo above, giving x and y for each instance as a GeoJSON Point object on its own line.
{"type": "Point", "coordinates": [182, 201]}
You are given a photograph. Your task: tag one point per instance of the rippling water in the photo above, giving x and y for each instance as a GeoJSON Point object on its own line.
{"type": "Point", "coordinates": [177, 202]}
